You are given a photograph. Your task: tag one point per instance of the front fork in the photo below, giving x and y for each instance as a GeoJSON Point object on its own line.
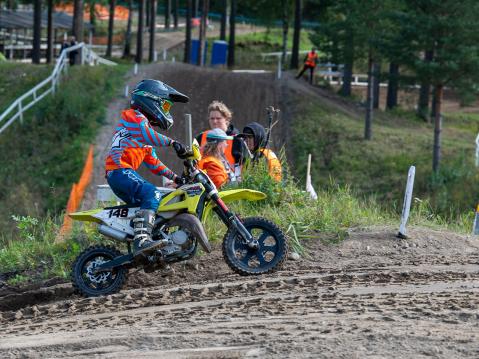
{"type": "Point", "coordinates": [231, 220]}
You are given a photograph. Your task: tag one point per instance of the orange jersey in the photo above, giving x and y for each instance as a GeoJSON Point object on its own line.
{"type": "Point", "coordinates": [214, 169]}
{"type": "Point", "coordinates": [132, 145]}
{"type": "Point", "coordinates": [311, 59]}
{"type": "Point", "coordinates": [274, 166]}
{"type": "Point", "coordinates": [228, 150]}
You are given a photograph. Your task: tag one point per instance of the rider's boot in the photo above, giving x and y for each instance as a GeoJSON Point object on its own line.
{"type": "Point", "coordinates": [143, 226]}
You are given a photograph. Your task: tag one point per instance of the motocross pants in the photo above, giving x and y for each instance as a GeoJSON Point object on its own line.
{"type": "Point", "coordinates": [130, 187]}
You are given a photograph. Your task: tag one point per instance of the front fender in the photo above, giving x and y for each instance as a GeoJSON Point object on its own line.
{"type": "Point", "coordinates": [233, 195]}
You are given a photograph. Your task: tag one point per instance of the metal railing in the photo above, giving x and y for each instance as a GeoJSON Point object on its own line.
{"type": "Point", "coordinates": [47, 86]}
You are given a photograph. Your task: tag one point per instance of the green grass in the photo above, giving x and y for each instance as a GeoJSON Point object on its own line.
{"type": "Point", "coordinates": [379, 167]}
{"type": "Point", "coordinates": [16, 79]}
{"type": "Point", "coordinates": [49, 148]}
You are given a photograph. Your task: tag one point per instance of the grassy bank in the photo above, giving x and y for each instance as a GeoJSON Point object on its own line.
{"type": "Point", "coordinates": [46, 153]}
{"type": "Point", "coordinates": [379, 167]}
{"type": "Point", "coordinates": [16, 79]}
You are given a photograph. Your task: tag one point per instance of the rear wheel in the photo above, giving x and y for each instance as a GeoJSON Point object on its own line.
{"type": "Point", "coordinates": [90, 284]}
{"type": "Point", "coordinates": [269, 256]}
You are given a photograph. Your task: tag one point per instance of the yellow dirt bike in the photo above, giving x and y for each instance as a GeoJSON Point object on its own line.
{"type": "Point", "coordinates": [251, 246]}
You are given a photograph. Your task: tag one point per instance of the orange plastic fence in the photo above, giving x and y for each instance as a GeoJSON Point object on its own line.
{"type": "Point", "coordinates": [76, 194]}
{"type": "Point", "coordinates": [101, 12]}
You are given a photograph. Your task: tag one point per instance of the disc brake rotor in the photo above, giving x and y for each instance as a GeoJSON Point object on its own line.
{"type": "Point", "coordinates": [99, 277]}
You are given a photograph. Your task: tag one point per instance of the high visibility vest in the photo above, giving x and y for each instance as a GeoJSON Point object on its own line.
{"type": "Point", "coordinates": [274, 166]}
{"type": "Point", "coordinates": [228, 150]}
{"type": "Point", "coordinates": [311, 59]}
{"type": "Point", "coordinates": [216, 170]}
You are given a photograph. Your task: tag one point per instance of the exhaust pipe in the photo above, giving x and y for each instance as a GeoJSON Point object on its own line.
{"type": "Point", "coordinates": [112, 233]}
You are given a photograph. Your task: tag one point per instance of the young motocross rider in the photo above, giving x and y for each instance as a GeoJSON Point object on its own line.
{"type": "Point", "coordinates": [132, 145]}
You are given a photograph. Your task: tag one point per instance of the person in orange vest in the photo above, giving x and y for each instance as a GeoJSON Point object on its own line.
{"type": "Point", "coordinates": [310, 62]}
{"type": "Point", "coordinates": [254, 135]}
{"type": "Point", "coordinates": [214, 162]}
{"type": "Point", "coordinates": [219, 116]}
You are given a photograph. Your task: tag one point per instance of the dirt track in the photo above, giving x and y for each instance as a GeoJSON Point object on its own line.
{"type": "Point", "coordinates": [373, 295]}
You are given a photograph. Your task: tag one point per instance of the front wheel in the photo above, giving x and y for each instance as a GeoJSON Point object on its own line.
{"type": "Point", "coordinates": [91, 284]}
{"type": "Point", "coordinates": [270, 254]}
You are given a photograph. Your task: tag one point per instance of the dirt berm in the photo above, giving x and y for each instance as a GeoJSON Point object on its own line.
{"type": "Point", "coordinates": [372, 295]}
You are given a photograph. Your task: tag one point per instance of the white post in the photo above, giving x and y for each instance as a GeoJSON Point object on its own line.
{"type": "Point", "coordinates": [189, 132]}
{"type": "Point", "coordinates": [20, 110]}
{"type": "Point", "coordinates": [309, 186]}
{"type": "Point", "coordinates": [127, 90]}
{"type": "Point", "coordinates": [164, 54]}
{"type": "Point", "coordinates": [135, 69]}
{"type": "Point", "coordinates": [279, 67]}
{"type": "Point", "coordinates": [155, 56]}
{"type": "Point", "coordinates": [407, 202]}
{"type": "Point", "coordinates": [173, 59]}
{"type": "Point", "coordinates": [475, 228]}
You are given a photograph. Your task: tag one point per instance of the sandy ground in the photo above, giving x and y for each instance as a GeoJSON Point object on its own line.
{"type": "Point", "coordinates": [371, 296]}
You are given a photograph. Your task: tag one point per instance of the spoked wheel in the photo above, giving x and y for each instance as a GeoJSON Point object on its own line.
{"type": "Point", "coordinates": [91, 284]}
{"type": "Point", "coordinates": [268, 257]}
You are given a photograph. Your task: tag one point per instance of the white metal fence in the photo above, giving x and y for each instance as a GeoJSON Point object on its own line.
{"type": "Point", "coordinates": [20, 105]}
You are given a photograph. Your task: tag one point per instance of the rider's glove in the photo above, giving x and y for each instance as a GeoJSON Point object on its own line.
{"type": "Point", "coordinates": [180, 149]}
{"type": "Point", "coordinates": [180, 180]}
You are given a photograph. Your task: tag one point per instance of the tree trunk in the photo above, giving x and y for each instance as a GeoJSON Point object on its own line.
{"type": "Point", "coordinates": [423, 100]}
{"type": "Point", "coordinates": [151, 54]}
{"type": "Point", "coordinates": [297, 30]}
{"type": "Point", "coordinates": [176, 5]}
{"type": "Point", "coordinates": [139, 37]}
{"type": "Point", "coordinates": [91, 9]}
{"type": "Point", "coordinates": [147, 14]}
{"type": "Point", "coordinates": [433, 107]}
{"type": "Point", "coordinates": [231, 40]}
{"type": "Point", "coordinates": [370, 99]}
{"type": "Point", "coordinates": [204, 18]}
{"type": "Point", "coordinates": [78, 20]}
{"type": "Point", "coordinates": [348, 66]}
{"type": "Point", "coordinates": [167, 14]}
{"type": "Point", "coordinates": [187, 57]}
{"type": "Point", "coordinates": [127, 49]}
{"type": "Point", "coordinates": [392, 96]}
{"type": "Point", "coordinates": [284, 47]}
{"type": "Point", "coordinates": [194, 12]}
{"type": "Point", "coordinates": [224, 14]}
{"type": "Point", "coordinates": [111, 20]}
{"type": "Point", "coordinates": [37, 30]}
{"type": "Point", "coordinates": [377, 79]}
{"type": "Point", "coordinates": [78, 27]}
{"type": "Point", "coordinates": [436, 155]}
{"type": "Point", "coordinates": [50, 32]}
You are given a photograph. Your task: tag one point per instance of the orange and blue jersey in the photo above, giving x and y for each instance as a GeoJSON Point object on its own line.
{"type": "Point", "coordinates": [132, 145]}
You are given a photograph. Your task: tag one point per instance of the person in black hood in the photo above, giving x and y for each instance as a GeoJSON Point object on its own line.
{"type": "Point", "coordinates": [254, 136]}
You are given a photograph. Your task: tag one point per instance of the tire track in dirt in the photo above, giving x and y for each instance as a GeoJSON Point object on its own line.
{"type": "Point", "coordinates": [272, 315]}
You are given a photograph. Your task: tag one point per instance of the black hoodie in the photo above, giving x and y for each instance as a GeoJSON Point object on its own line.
{"type": "Point", "coordinates": [259, 134]}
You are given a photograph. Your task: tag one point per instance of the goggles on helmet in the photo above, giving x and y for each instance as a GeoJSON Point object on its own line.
{"type": "Point", "coordinates": [165, 106]}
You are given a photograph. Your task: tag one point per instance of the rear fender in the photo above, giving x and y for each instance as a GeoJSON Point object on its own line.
{"type": "Point", "coordinates": [234, 195]}
{"type": "Point", "coordinates": [91, 215]}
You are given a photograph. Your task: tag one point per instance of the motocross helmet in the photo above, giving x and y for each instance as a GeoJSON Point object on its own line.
{"type": "Point", "coordinates": [153, 99]}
